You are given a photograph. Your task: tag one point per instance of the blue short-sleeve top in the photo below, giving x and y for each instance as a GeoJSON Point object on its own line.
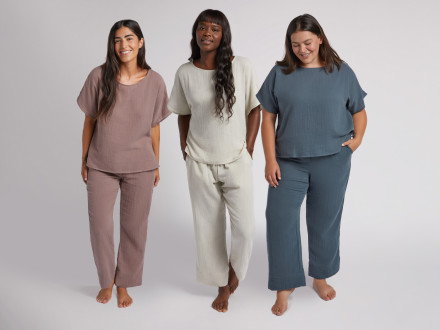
{"type": "Point", "coordinates": [314, 109]}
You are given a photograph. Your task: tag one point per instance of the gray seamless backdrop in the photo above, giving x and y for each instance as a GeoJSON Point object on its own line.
{"type": "Point", "coordinates": [390, 227]}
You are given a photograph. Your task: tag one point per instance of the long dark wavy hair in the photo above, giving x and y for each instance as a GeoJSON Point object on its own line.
{"type": "Point", "coordinates": [224, 79]}
{"type": "Point", "coordinates": [327, 54]}
{"type": "Point", "coordinates": [110, 69]}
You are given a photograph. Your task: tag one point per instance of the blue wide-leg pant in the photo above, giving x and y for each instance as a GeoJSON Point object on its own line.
{"type": "Point", "coordinates": [324, 181]}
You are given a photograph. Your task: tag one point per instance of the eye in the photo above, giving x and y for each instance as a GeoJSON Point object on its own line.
{"type": "Point", "coordinates": [116, 41]}
{"type": "Point", "coordinates": [307, 44]}
{"type": "Point", "coordinates": [294, 46]}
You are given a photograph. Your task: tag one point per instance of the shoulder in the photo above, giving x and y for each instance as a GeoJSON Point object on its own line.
{"type": "Point", "coordinates": [185, 69]}
{"type": "Point", "coordinates": [276, 71]}
{"type": "Point", "coordinates": [96, 73]}
{"type": "Point", "coordinates": [94, 78]}
{"type": "Point", "coordinates": [346, 69]}
{"type": "Point", "coordinates": [155, 77]}
{"type": "Point", "coordinates": [155, 81]}
{"type": "Point", "coordinates": [242, 62]}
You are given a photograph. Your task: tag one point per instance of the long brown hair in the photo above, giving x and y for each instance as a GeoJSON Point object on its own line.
{"type": "Point", "coordinates": [224, 79]}
{"type": "Point", "coordinates": [110, 68]}
{"type": "Point", "coordinates": [327, 54]}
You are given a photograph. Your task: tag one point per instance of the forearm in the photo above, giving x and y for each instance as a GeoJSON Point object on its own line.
{"type": "Point", "coordinates": [155, 140]}
{"type": "Point", "coordinates": [253, 124]}
{"type": "Point", "coordinates": [88, 129]}
{"type": "Point", "coordinates": [183, 122]}
{"type": "Point", "coordinates": [359, 124]}
{"type": "Point", "coordinates": [268, 135]}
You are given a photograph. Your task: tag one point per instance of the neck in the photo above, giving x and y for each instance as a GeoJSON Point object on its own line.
{"type": "Point", "coordinates": [207, 60]}
{"type": "Point", "coordinates": [129, 69]}
{"type": "Point", "coordinates": [317, 64]}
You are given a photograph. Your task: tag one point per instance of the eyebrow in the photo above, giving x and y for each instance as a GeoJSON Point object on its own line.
{"type": "Point", "coordinates": [210, 23]}
{"type": "Point", "coordinates": [128, 35]}
{"type": "Point", "coordinates": [294, 42]}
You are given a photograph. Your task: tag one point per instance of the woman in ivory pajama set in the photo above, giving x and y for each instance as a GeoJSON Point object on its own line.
{"type": "Point", "coordinates": [321, 121]}
{"type": "Point", "coordinates": [219, 116]}
{"type": "Point", "coordinates": [124, 101]}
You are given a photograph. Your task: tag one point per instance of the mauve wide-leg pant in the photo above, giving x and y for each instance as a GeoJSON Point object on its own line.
{"type": "Point", "coordinates": [136, 195]}
{"type": "Point", "coordinates": [324, 181]}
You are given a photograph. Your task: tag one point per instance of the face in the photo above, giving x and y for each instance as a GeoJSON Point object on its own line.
{"type": "Point", "coordinates": [208, 36]}
{"type": "Point", "coordinates": [127, 44]}
{"type": "Point", "coordinates": [305, 46]}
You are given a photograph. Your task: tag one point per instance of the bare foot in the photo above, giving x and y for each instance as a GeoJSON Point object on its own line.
{"type": "Point", "coordinates": [104, 295]}
{"type": "Point", "coordinates": [325, 291]}
{"type": "Point", "coordinates": [220, 303]}
{"type": "Point", "coordinates": [232, 280]}
{"type": "Point", "coordinates": [124, 300]}
{"type": "Point", "coordinates": [280, 305]}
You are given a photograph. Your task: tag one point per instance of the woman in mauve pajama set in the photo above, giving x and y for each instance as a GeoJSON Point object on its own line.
{"type": "Point", "coordinates": [124, 101]}
{"type": "Point", "coordinates": [319, 105]}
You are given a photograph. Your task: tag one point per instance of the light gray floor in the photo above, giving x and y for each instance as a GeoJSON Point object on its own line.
{"type": "Point", "coordinates": [374, 291]}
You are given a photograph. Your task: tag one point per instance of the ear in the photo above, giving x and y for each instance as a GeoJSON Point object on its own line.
{"type": "Point", "coordinates": [320, 40]}
{"type": "Point", "coordinates": [141, 42]}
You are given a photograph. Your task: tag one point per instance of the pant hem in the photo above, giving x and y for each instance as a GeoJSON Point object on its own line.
{"type": "Point", "coordinates": [128, 284]}
{"type": "Point", "coordinates": [209, 279]}
{"type": "Point", "coordinates": [277, 284]}
{"type": "Point", "coordinates": [323, 275]}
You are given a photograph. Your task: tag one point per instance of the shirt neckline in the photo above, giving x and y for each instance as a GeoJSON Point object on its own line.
{"type": "Point", "coordinates": [138, 83]}
{"type": "Point", "coordinates": [209, 70]}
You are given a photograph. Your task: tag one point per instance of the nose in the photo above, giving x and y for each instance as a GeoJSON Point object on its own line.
{"type": "Point", "coordinates": [302, 48]}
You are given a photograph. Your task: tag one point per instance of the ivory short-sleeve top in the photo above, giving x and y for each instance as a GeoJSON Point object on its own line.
{"type": "Point", "coordinates": [314, 109]}
{"type": "Point", "coordinates": [212, 140]}
{"type": "Point", "coordinates": [121, 143]}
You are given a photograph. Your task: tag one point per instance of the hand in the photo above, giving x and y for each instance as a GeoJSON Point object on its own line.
{"type": "Point", "coordinates": [84, 172]}
{"type": "Point", "coordinates": [156, 177]}
{"type": "Point", "coordinates": [183, 147]}
{"type": "Point", "coordinates": [250, 151]}
{"type": "Point", "coordinates": [272, 173]}
{"type": "Point", "coordinates": [353, 144]}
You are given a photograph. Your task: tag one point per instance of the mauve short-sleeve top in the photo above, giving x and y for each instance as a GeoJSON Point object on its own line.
{"type": "Point", "coordinates": [314, 109]}
{"type": "Point", "coordinates": [121, 143]}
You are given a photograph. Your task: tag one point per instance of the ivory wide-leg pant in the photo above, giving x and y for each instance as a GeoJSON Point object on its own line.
{"type": "Point", "coordinates": [213, 188]}
{"type": "Point", "coordinates": [136, 195]}
{"type": "Point", "coordinates": [324, 181]}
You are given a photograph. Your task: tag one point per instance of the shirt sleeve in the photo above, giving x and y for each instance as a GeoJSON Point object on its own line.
{"type": "Point", "coordinates": [88, 98]}
{"type": "Point", "coordinates": [178, 103]}
{"type": "Point", "coordinates": [355, 99]}
{"type": "Point", "coordinates": [266, 95]}
{"type": "Point", "coordinates": [160, 107]}
{"type": "Point", "coordinates": [251, 88]}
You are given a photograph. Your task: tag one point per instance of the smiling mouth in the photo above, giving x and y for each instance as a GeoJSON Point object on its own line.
{"type": "Point", "coordinates": [206, 41]}
{"type": "Point", "coordinates": [125, 52]}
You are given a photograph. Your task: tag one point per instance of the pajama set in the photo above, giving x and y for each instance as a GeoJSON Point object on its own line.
{"type": "Point", "coordinates": [121, 156]}
{"type": "Point", "coordinates": [314, 109]}
{"type": "Point", "coordinates": [219, 168]}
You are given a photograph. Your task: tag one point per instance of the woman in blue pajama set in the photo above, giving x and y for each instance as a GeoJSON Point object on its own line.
{"type": "Point", "coordinates": [321, 121]}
